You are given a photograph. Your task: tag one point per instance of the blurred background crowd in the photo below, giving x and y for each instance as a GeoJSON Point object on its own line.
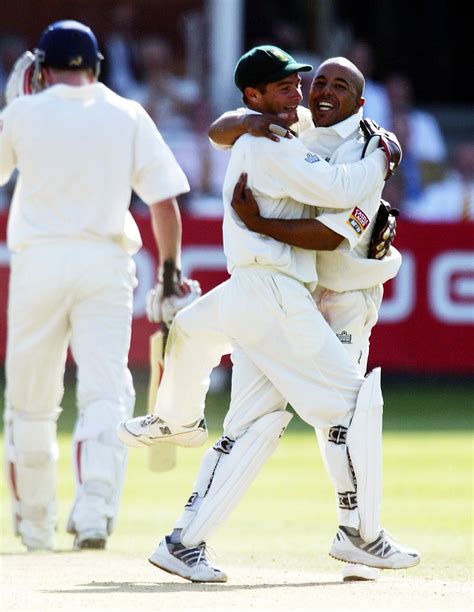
{"type": "Point", "coordinates": [176, 58]}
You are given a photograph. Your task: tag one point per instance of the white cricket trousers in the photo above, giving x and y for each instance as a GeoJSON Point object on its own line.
{"type": "Point", "coordinates": [285, 352]}
{"type": "Point", "coordinates": [76, 293]}
{"type": "Point", "coordinates": [273, 319]}
{"type": "Point", "coordinates": [196, 344]}
{"type": "Point", "coordinates": [351, 315]}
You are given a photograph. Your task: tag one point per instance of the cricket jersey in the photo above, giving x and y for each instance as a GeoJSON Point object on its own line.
{"type": "Point", "coordinates": [77, 169]}
{"type": "Point", "coordinates": [347, 268]}
{"type": "Point", "coordinates": [289, 182]}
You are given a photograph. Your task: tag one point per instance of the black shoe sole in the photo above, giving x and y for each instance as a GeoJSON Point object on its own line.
{"type": "Point", "coordinates": [92, 544]}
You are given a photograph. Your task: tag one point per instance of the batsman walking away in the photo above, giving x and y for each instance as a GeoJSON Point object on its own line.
{"type": "Point", "coordinates": [80, 150]}
{"type": "Point", "coordinates": [283, 349]}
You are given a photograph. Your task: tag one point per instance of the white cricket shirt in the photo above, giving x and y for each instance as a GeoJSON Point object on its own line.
{"type": "Point", "coordinates": [80, 151]}
{"type": "Point", "coordinates": [289, 181]}
{"type": "Point", "coordinates": [347, 268]}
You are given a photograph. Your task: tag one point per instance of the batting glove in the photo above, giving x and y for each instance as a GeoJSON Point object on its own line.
{"type": "Point", "coordinates": [21, 81]}
{"type": "Point", "coordinates": [164, 310]}
{"type": "Point", "coordinates": [378, 137]}
{"type": "Point", "coordinates": [384, 232]}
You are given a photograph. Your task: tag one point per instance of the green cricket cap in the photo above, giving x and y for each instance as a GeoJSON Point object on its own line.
{"type": "Point", "coordinates": [265, 64]}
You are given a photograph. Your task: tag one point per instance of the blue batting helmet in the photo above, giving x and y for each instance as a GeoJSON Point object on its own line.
{"type": "Point", "coordinates": [69, 45]}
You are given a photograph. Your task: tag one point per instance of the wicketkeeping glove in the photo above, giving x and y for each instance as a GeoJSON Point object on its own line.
{"type": "Point", "coordinates": [21, 81]}
{"type": "Point", "coordinates": [378, 137]}
{"type": "Point", "coordinates": [385, 230]}
{"type": "Point", "coordinates": [161, 309]}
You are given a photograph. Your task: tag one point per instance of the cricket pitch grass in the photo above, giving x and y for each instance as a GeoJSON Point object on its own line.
{"type": "Point", "coordinates": [275, 545]}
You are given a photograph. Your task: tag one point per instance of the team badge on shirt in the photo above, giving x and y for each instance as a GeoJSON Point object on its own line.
{"type": "Point", "coordinates": [345, 337]}
{"type": "Point", "coordinates": [312, 158]}
{"type": "Point", "coordinates": [358, 220]}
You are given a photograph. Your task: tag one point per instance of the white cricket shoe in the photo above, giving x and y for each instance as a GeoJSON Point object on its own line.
{"type": "Point", "coordinates": [37, 537]}
{"type": "Point", "coordinates": [189, 563]}
{"type": "Point", "coordinates": [383, 552]}
{"type": "Point", "coordinates": [91, 539]}
{"type": "Point", "coordinates": [151, 429]}
{"type": "Point", "coordinates": [354, 571]}
{"type": "Point", "coordinates": [88, 521]}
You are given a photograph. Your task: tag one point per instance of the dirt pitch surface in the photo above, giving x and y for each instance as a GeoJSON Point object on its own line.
{"type": "Point", "coordinates": [96, 580]}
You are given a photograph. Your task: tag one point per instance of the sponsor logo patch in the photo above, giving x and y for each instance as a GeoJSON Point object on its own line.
{"type": "Point", "coordinates": [358, 220]}
{"type": "Point", "coordinates": [312, 158]}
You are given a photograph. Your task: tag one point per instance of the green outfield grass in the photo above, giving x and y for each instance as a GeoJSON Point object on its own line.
{"type": "Point", "coordinates": [287, 518]}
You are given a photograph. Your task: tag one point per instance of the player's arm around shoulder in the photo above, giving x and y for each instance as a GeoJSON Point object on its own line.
{"type": "Point", "coordinates": [231, 125]}
{"type": "Point", "coordinates": [226, 129]}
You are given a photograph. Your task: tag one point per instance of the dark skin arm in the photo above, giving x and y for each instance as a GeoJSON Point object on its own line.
{"type": "Point", "coordinates": [231, 125]}
{"type": "Point", "coordinates": [303, 233]}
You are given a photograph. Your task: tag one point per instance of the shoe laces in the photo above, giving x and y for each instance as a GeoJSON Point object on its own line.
{"type": "Point", "coordinates": [202, 558]}
{"type": "Point", "coordinates": [387, 541]}
{"type": "Point", "coordinates": [209, 552]}
{"type": "Point", "coordinates": [199, 555]}
{"type": "Point", "coordinates": [206, 553]}
{"type": "Point", "coordinates": [191, 556]}
{"type": "Point", "coordinates": [386, 535]}
{"type": "Point", "coordinates": [149, 420]}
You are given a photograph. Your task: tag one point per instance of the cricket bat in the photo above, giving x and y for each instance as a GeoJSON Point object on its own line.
{"type": "Point", "coordinates": [162, 456]}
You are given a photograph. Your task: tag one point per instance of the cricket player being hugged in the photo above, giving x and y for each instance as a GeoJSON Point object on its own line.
{"type": "Point", "coordinates": [284, 351]}
{"type": "Point", "coordinates": [350, 277]}
{"type": "Point", "coordinates": [79, 149]}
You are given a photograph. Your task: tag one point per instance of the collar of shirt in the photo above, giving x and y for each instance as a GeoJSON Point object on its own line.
{"type": "Point", "coordinates": [324, 140]}
{"type": "Point", "coordinates": [61, 90]}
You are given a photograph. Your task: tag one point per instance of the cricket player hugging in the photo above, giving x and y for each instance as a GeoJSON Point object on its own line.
{"type": "Point", "coordinates": [283, 350]}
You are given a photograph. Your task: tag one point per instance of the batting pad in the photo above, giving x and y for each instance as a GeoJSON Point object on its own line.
{"type": "Point", "coordinates": [364, 445]}
{"type": "Point", "coordinates": [31, 455]}
{"type": "Point", "coordinates": [100, 461]}
{"type": "Point", "coordinates": [232, 475]}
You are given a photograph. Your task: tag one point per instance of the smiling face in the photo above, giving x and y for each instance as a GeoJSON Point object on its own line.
{"type": "Point", "coordinates": [279, 97]}
{"type": "Point", "coordinates": [336, 92]}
